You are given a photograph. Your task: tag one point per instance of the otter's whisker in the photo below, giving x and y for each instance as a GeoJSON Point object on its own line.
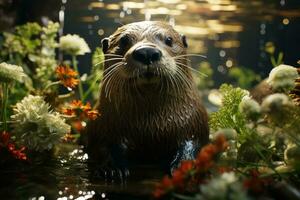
{"type": "Point", "coordinates": [115, 81]}
{"type": "Point", "coordinates": [170, 77]}
{"type": "Point", "coordinates": [110, 67]}
{"type": "Point", "coordinates": [190, 54]}
{"type": "Point", "coordinates": [107, 78]}
{"type": "Point", "coordinates": [183, 58]}
{"type": "Point", "coordinates": [159, 71]}
{"type": "Point", "coordinates": [184, 78]}
{"type": "Point", "coordinates": [136, 74]}
{"type": "Point", "coordinates": [111, 54]}
{"type": "Point", "coordinates": [138, 77]}
{"type": "Point", "coordinates": [173, 82]}
{"type": "Point", "coordinates": [106, 60]}
{"type": "Point", "coordinates": [111, 82]}
{"type": "Point", "coordinates": [192, 69]}
{"type": "Point", "coordinates": [111, 71]}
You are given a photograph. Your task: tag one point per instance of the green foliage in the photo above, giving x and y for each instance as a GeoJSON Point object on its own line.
{"type": "Point", "coordinates": [44, 58]}
{"type": "Point", "coordinates": [261, 141]}
{"type": "Point", "coordinates": [271, 49]}
{"type": "Point", "coordinates": [96, 75]}
{"type": "Point", "coordinates": [244, 77]}
{"type": "Point", "coordinates": [229, 116]}
{"type": "Point", "coordinates": [32, 47]}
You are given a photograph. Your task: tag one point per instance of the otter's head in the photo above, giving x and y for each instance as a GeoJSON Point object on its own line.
{"type": "Point", "coordinates": [146, 55]}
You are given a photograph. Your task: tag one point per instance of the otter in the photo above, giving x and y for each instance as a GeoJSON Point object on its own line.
{"type": "Point", "coordinates": [150, 110]}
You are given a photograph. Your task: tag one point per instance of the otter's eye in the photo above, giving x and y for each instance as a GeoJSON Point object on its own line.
{"type": "Point", "coordinates": [169, 41]}
{"type": "Point", "coordinates": [125, 40]}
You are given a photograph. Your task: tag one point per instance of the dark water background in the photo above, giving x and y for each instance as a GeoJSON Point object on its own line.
{"type": "Point", "coordinates": [223, 30]}
{"type": "Point", "coordinates": [230, 33]}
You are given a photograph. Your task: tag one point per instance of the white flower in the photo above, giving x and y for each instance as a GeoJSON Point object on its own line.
{"type": "Point", "coordinates": [74, 45]}
{"type": "Point", "coordinates": [225, 186]}
{"type": "Point", "coordinates": [10, 73]}
{"type": "Point", "coordinates": [282, 78]}
{"type": "Point", "coordinates": [250, 108]}
{"type": "Point", "coordinates": [36, 126]}
{"type": "Point", "coordinates": [275, 103]}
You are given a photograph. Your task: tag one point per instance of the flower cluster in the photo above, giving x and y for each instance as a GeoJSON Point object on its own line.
{"type": "Point", "coordinates": [73, 45]}
{"type": "Point", "coordinates": [225, 186]}
{"type": "Point", "coordinates": [36, 126]}
{"type": "Point", "coordinates": [282, 78]}
{"type": "Point", "coordinates": [5, 142]}
{"type": "Point", "coordinates": [250, 108]}
{"type": "Point", "coordinates": [67, 76]}
{"type": "Point", "coordinates": [192, 172]}
{"type": "Point", "coordinates": [9, 73]}
{"type": "Point", "coordinates": [77, 109]}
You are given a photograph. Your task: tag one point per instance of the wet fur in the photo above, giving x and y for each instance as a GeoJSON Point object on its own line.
{"type": "Point", "coordinates": [150, 120]}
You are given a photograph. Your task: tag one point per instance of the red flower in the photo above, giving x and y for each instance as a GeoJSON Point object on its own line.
{"type": "Point", "coordinates": [5, 142]}
{"type": "Point", "coordinates": [163, 187]}
{"type": "Point", "coordinates": [18, 154]}
{"type": "Point", "coordinates": [255, 183]}
{"type": "Point", "coordinates": [221, 142]}
{"type": "Point", "coordinates": [193, 172]}
{"type": "Point", "coordinates": [204, 159]}
{"type": "Point", "coordinates": [186, 165]}
{"type": "Point", "coordinates": [178, 178]}
{"type": "Point", "coordinates": [67, 76]}
{"type": "Point", "coordinates": [4, 138]}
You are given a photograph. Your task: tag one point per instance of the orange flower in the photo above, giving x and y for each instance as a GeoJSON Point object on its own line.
{"type": "Point", "coordinates": [78, 109]}
{"type": "Point", "coordinates": [77, 125]}
{"type": "Point", "coordinates": [193, 172]}
{"type": "Point", "coordinates": [67, 76]}
{"type": "Point", "coordinates": [186, 165]}
{"type": "Point", "coordinates": [76, 104]}
{"type": "Point", "coordinates": [92, 114]}
{"type": "Point", "coordinates": [205, 157]}
{"type": "Point", "coordinates": [221, 142]}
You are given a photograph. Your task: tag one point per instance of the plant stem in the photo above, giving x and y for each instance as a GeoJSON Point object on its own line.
{"type": "Point", "coordinates": [90, 89]}
{"type": "Point", "coordinates": [74, 61]}
{"type": "Point", "coordinates": [65, 96]}
{"type": "Point", "coordinates": [51, 84]}
{"type": "Point", "coordinates": [4, 105]}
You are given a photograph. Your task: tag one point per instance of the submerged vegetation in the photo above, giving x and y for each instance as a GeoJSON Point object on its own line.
{"type": "Point", "coordinates": [254, 149]}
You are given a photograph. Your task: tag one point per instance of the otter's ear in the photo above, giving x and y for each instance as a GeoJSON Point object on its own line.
{"type": "Point", "coordinates": [183, 39]}
{"type": "Point", "coordinates": [105, 44]}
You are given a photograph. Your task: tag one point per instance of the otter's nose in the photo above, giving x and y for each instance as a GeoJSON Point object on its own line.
{"type": "Point", "coordinates": [146, 55]}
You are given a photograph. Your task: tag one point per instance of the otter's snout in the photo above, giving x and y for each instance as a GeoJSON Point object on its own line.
{"type": "Point", "coordinates": [146, 54]}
